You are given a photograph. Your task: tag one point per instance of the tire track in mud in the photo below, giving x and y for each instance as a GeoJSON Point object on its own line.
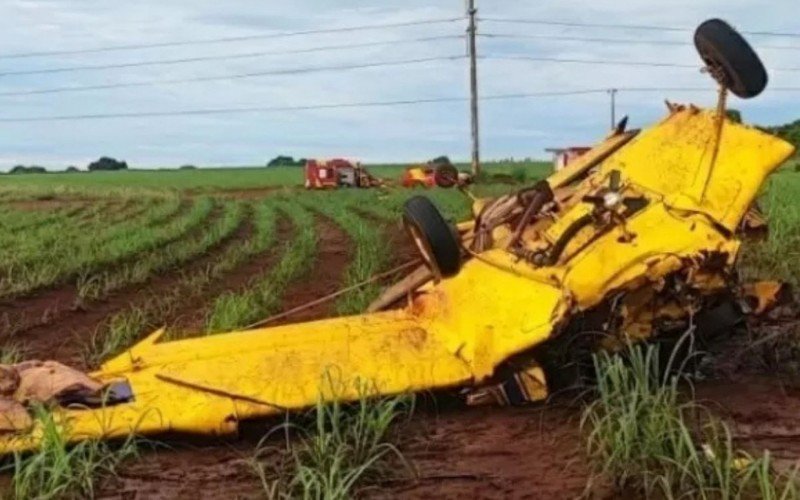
{"type": "Point", "coordinates": [220, 468]}
{"type": "Point", "coordinates": [65, 329]}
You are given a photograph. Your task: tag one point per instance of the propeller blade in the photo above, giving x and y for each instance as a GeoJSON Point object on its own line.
{"type": "Point", "coordinates": [597, 200]}
{"type": "Point", "coordinates": [634, 203]}
{"type": "Point", "coordinates": [622, 125]}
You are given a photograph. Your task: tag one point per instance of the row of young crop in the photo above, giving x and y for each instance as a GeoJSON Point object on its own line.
{"type": "Point", "coordinates": [65, 249]}
{"type": "Point", "coordinates": [323, 464]}
{"type": "Point", "coordinates": [262, 295]}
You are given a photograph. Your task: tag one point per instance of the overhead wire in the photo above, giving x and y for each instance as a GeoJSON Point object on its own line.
{"type": "Point", "coordinates": [362, 104]}
{"type": "Point", "coordinates": [611, 62]}
{"type": "Point", "coordinates": [263, 109]}
{"type": "Point", "coordinates": [227, 57]}
{"type": "Point", "coordinates": [233, 76]}
{"type": "Point", "coordinates": [345, 67]}
{"type": "Point", "coordinates": [648, 27]}
{"type": "Point", "coordinates": [263, 36]}
{"type": "Point", "coordinates": [589, 61]}
{"type": "Point", "coordinates": [624, 41]}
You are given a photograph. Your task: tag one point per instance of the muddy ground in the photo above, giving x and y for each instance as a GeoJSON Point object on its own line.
{"type": "Point", "coordinates": [457, 452]}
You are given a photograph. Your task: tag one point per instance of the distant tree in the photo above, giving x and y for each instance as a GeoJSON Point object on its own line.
{"type": "Point", "coordinates": [439, 160]}
{"type": "Point", "coordinates": [72, 168]}
{"type": "Point", "coordinates": [286, 161]}
{"type": "Point", "coordinates": [734, 115]}
{"type": "Point", "coordinates": [32, 169]}
{"type": "Point", "coordinates": [187, 167]}
{"type": "Point", "coordinates": [107, 163]}
{"type": "Point", "coordinates": [789, 132]}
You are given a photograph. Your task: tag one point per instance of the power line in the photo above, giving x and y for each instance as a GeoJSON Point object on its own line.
{"type": "Point", "coordinates": [344, 67]}
{"type": "Point", "coordinates": [366, 104]}
{"type": "Point", "coordinates": [291, 71]}
{"type": "Point", "coordinates": [248, 55]}
{"type": "Point", "coordinates": [226, 57]}
{"type": "Point", "coordinates": [609, 62]}
{"type": "Point", "coordinates": [571, 24]}
{"type": "Point", "coordinates": [229, 39]}
{"type": "Point", "coordinates": [625, 41]}
{"type": "Point", "coordinates": [581, 39]}
{"type": "Point", "coordinates": [593, 61]}
{"type": "Point", "coordinates": [265, 109]}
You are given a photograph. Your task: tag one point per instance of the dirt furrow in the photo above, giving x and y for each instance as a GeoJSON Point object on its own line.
{"type": "Point", "coordinates": [220, 469]}
{"type": "Point", "coordinates": [18, 316]}
{"type": "Point", "coordinates": [334, 253]}
{"type": "Point", "coordinates": [191, 317]}
{"type": "Point", "coordinates": [62, 335]}
{"type": "Point", "coordinates": [21, 314]}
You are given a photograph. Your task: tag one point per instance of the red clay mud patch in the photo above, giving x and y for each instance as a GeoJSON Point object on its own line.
{"type": "Point", "coordinates": [213, 470]}
{"type": "Point", "coordinates": [763, 412]}
{"type": "Point", "coordinates": [527, 452]}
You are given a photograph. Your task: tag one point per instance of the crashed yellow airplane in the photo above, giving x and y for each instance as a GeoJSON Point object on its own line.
{"type": "Point", "coordinates": [644, 228]}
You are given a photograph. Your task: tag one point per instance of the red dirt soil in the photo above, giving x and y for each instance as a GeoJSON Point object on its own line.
{"type": "Point", "coordinates": [764, 413]}
{"type": "Point", "coordinates": [20, 315]}
{"type": "Point", "coordinates": [63, 329]}
{"type": "Point", "coordinates": [219, 468]}
{"type": "Point", "coordinates": [530, 452]}
{"type": "Point", "coordinates": [191, 316]}
{"type": "Point", "coordinates": [525, 452]}
{"type": "Point", "coordinates": [327, 274]}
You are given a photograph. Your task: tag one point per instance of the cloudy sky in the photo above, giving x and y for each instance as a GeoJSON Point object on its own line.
{"type": "Point", "coordinates": [509, 127]}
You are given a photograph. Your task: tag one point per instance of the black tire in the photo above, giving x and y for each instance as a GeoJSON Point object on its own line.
{"type": "Point", "coordinates": [433, 236]}
{"type": "Point", "coordinates": [730, 59]}
{"type": "Point", "coordinates": [445, 175]}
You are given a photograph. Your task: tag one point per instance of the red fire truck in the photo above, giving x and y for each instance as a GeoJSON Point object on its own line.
{"type": "Point", "coordinates": [322, 174]}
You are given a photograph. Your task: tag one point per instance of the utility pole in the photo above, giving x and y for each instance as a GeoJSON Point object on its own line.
{"type": "Point", "coordinates": [613, 94]}
{"type": "Point", "coordinates": [473, 88]}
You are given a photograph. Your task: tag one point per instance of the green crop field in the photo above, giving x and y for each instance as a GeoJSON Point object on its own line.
{"type": "Point", "coordinates": [103, 259]}
{"type": "Point", "coordinates": [210, 179]}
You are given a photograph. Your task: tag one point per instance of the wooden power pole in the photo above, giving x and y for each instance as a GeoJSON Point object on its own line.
{"type": "Point", "coordinates": [473, 89]}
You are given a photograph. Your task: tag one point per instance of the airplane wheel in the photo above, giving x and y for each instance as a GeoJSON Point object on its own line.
{"type": "Point", "coordinates": [446, 176]}
{"type": "Point", "coordinates": [433, 236]}
{"type": "Point", "coordinates": [730, 59]}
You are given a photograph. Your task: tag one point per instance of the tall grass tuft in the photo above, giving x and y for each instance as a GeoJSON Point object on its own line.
{"type": "Point", "coordinates": [344, 448]}
{"type": "Point", "coordinates": [57, 470]}
{"type": "Point", "coordinates": [644, 435]}
{"type": "Point", "coordinates": [10, 354]}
